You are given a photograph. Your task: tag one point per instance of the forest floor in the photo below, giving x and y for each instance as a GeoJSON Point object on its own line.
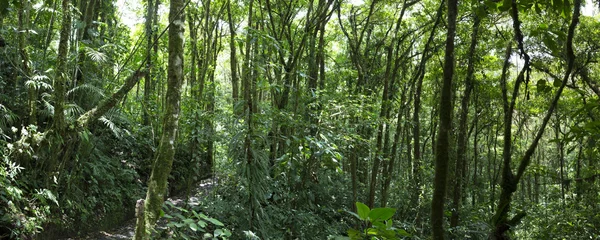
{"type": "Point", "coordinates": [127, 230]}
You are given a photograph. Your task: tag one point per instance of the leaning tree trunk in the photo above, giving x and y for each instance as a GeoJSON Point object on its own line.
{"type": "Point", "coordinates": [157, 184]}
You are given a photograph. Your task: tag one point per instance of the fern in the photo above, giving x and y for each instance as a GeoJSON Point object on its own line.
{"type": "Point", "coordinates": [109, 121]}
{"type": "Point", "coordinates": [96, 56]}
{"type": "Point", "coordinates": [48, 110]}
{"type": "Point", "coordinates": [87, 89]}
{"type": "Point", "coordinates": [7, 117]}
{"type": "Point", "coordinates": [38, 84]}
{"type": "Point", "coordinates": [73, 110]}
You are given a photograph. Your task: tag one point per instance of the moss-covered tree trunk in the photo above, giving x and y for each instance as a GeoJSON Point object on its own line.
{"type": "Point", "coordinates": [157, 184]}
{"type": "Point", "coordinates": [445, 123]}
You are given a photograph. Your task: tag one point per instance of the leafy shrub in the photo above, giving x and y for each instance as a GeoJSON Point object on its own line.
{"type": "Point", "coordinates": [190, 224]}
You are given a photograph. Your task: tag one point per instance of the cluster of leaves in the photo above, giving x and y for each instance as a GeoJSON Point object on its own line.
{"type": "Point", "coordinates": [22, 213]}
{"type": "Point", "coordinates": [190, 224]}
{"type": "Point", "coordinates": [376, 223]}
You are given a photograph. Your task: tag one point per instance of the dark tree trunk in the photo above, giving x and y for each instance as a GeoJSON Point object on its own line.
{"type": "Point", "coordinates": [443, 143]}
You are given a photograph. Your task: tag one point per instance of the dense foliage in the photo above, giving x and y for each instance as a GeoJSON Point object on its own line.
{"type": "Point", "coordinates": [314, 119]}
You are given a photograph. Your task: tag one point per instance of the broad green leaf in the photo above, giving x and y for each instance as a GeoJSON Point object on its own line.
{"type": "Point", "coordinates": [215, 222]}
{"type": "Point", "coordinates": [381, 214]}
{"type": "Point", "coordinates": [202, 223]}
{"type": "Point", "coordinates": [403, 233]}
{"type": "Point", "coordinates": [362, 210]}
{"type": "Point", "coordinates": [557, 83]}
{"type": "Point", "coordinates": [354, 234]}
{"type": "Point", "coordinates": [193, 226]}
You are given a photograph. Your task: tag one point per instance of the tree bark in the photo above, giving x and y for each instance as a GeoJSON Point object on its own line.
{"type": "Point", "coordinates": [510, 181]}
{"type": "Point", "coordinates": [233, 57]}
{"type": "Point", "coordinates": [148, 79]}
{"type": "Point", "coordinates": [157, 184]}
{"type": "Point", "coordinates": [462, 125]}
{"type": "Point", "coordinates": [445, 123]}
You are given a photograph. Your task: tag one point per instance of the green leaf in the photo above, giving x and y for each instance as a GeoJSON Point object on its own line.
{"type": "Point", "coordinates": [354, 234]}
{"type": "Point", "coordinates": [202, 223]}
{"type": "Point", "coordinates": [193, 226]}
{"type": "Point", "coordinates": [215, 221]}
{"type": "Point", "coordinates": [557, 83]}
{"type": "Point", "coordinates": [504, 6]}
{"type": "Point", "coordinates": [363, 210]}
{"type": "Point", "coordinates": [550, 43]}
{"type": "Point", "coordinates": [538, 10]}
{"type": "Point", "coordinates": [381, 214]}
{"type": "Point", "coordinates": [403, 233]}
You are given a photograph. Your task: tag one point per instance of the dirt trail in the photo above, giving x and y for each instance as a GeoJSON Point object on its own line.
{"type": "Point", "coordinates": [128, 229]}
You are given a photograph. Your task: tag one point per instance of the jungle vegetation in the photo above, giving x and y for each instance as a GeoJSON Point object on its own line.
{"type": "Point", "coordinates": [311, 119]}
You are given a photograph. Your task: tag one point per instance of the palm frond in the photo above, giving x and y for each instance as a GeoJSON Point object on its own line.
{"type": "Point", "coordinates": [73, 110]}
{"type": "Point", "coordinates": [38, 82]}
{"type": "Point", "coordinates": [118, 132]}
{"type": "Point", "coordinates": [87, 89]}
{"type": "Point", "coordinates": [96, 56]}
{"type": "Point", "coordinates": [48, 109]}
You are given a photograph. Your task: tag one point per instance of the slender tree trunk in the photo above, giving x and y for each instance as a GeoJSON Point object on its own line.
{"type": "Point", "coordinates": [443, 143]}
{"type": "Point", "coordinates": [148, 80]}
{"type": "Point", "coordinates": [510, 181]}
{"type": "Point", "coordinates": [157, 184]}
{"type": "Point", "coordinates": [462, 125]}
{"type": "Point", "coordinates": [379, 145]}
{"type": "Point", "coordinates": [232, 57]}
{"type": "Point", "coordinates": [418, 78]}
{"type": "Point", "coordinates": [61, 69]}
{"type": "Point", "coordinates": [561, 158]}
{"type": "Point", "coordinates": [23, 33]}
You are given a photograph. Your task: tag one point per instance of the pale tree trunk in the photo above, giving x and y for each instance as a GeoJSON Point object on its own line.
{"type": "Point", "coordinates": [148, 79]}
{"type": "Point", "coordinates": [157, 184]}
{"type": "Point", "coordinates": [445, 123]}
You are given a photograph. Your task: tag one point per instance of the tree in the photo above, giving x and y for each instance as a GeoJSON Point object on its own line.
{"type": "Point", "coordinates": [157, 184]}
{"type": "Point", "coordinates": [510, 181]}
{"type": "Point", "coordinates": [443, 142]}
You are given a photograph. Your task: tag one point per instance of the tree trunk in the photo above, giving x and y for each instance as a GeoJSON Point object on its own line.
{"type": "Point", "coordinates": [462, 125]}
{"type": "Point", "coordinates": [510, 181]}
{"type": "Point", "coordinates": [157, 184]}
{"type": "Point", "coordinates": [443, 143]}
{"type": "Point", "coordinates": [232, 57]}
{"type": "Point", "coordinates": [148, 80]}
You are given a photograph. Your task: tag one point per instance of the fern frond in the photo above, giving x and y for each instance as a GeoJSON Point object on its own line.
{"type": "Point", "coordinates": [48, 109]}
{"type": "Point", "coordinates": [112, 126]}
{"type": "Point", "coordinates": [73, 110]}
{"type": "Point", "coordinates": [96, 56]}
{"type": "Point", "coordinates": [38, 83]}
{"type": "Point", "coordinates": [87, 89]}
